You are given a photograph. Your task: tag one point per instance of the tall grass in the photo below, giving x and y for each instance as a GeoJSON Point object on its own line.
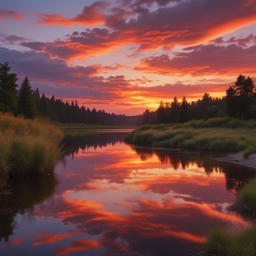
{"type": "Point", "coordinates": [220, 241]}
{"type": "Point", "coordinates": [217, 134]}
{"type": "Point", "coordinates": [27, 146]}
{"type": "Point", "coordinates": [247, 196]}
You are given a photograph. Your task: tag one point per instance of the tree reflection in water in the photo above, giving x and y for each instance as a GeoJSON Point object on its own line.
{"type": "Point", "coordinates": [23, 198]}
{"type": "Point", "coordinates": [116, 199]}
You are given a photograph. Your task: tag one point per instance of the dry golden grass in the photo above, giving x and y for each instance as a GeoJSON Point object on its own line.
{"type": "Point", "coordinates": [27, 146]}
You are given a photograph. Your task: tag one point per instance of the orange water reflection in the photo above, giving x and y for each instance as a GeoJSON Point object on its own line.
{"type": "Point", "coordinates": [114, 199]}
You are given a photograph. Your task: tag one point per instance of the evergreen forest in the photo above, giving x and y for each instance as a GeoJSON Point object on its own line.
{"type": "Point", "coordinates": [239, 102]}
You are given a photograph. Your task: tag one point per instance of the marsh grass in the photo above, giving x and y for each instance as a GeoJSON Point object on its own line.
{"type": "Point", "coordinates": [247, 196]}
{"type": "Point", "coordinates": [221, 241]}
{"type": "Point", "coordinates": [216, 134]}
{"type": "Point", "coordinates": [27, 147]}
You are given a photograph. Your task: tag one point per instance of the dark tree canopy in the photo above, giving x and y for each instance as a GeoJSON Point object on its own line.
{"type": "Point", "coordinates": [26, 101]}
{"type": "Point", "coordinates": [8, 91]}
{"type": "Point", "coordinates": [240, 98]}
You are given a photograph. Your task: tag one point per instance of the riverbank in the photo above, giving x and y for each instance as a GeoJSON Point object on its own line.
{"type": "Point", "coordinates": [27, 147]}
{"type": "Point", "coordinates": [84, 128]}
{"type": "Point", "coordinates": [216, 134]}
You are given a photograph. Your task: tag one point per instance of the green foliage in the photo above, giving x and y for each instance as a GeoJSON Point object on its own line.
{"type": "Point", "coordinates": [26, 101]}
{"type": "Point", "coordinates": [216, 134]}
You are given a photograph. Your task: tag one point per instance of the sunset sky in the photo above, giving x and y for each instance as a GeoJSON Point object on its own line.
{"type": "Point", "coordinates": [125, 56]}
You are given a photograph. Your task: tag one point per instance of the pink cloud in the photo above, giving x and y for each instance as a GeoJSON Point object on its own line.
{"type": "Point", "coordinates": [90, 16]}
{"type": "Point", "coordinates": [165, 27]}
{"type": "Point", "coordinates": [203, 60]}
{"type": "Point", "coordinates": [6, 14]}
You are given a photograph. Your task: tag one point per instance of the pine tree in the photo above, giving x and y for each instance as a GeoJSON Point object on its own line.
{"type": "Point", "coordinates": [243, 97]}
{"type": "Point", "coordinates": [175, 105]}
{"type": "Point", "coordinates": [232, 107]}
{"type": "Point", "coordinates": [160, 114]}
{"type": "Point", "coordinates": [184, 111]}
{"type": "Point", "coordinates": [45, 106]}
{"type": "Point", "coordinates": [26, 101]}
{"type": "Point", "coordinates": [8, 91]}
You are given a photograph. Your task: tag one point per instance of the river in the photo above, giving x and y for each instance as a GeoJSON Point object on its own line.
{"type": "Point", "coordinates": [110, 198]}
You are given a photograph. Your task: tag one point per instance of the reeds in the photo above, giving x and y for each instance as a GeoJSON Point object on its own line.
{"type": "Point", "coordinates": [216, 134]}
{"type": "Point", "coordinates": [27, 147]}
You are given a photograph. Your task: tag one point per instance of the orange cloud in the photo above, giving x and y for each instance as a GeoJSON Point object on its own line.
{"type": "Point", "coordinates": [81, 245]}
{"type": "Point", "coordinates": [163, 28]}
{"type": "Point", "coordinates": [203, 60]}
{"type": "Point", "coordinates": [48, 238]}
{"type": "Point", "coordinates": [90, 16]}
{"type": "Point", "coordinates": [4, 15]}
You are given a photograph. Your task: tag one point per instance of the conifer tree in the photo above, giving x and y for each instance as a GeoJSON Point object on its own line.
{"type": "Point", "coordinates": [45, 106]}
{"type": "Point", "coordinates": [8, 91]}
{"type": "Point", "coordinates": [240, 97]}
{"type": "Point", "coordinates": [231, 102]}
{"type": "Point", "coordinates": [26, 101]}
{"type": "Point", "coordinates": [184, 111]}
{"type": "Point", "coordinates": [174, 118]}
{"type": "Point", "coordinates": [160, 114]}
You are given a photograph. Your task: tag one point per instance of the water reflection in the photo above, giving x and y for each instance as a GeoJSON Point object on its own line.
{"type": "Point", "coordinates": [23, 199]}
{"type": "Point", "coordinates": [73, 143]}
{"type": "Point", "coordinates": [114, 199]}
{"type": "Point", "coordinates": [235, 176]}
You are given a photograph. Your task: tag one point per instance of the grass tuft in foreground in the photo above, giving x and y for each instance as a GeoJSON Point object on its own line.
{"type": "Point", "coordinates": [27, 147]}
{"type": "Point", "coordinates": [220, 241]}
{"type": "Point", "coordinates": [216, 134]}
{"type": "Point", "coordinates": [247, 196]}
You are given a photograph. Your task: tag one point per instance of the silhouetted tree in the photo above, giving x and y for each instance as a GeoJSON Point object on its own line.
{"type": "Point", "coordinates": [8, 91]}
{"type": "Point", "coordinates": [184, 111]}
{"type": "Point", "coordinates": [174, 111]}
{"type": "Point", "coordinates": [44, 106]}
{"type": "Point", "coordinates": [26, 101]}
{"type": "Point", "coordinates": [231, 102]}
{"type": "Point", "coordinates": [160, 114]}
{"type": "Point", "coordinates": [240, 97]}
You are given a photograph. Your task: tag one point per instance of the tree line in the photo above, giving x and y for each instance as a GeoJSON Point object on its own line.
{"type": "Point", "coordinates": [24, 101]}
{"type": "Point", "coordinates": [239, 102]}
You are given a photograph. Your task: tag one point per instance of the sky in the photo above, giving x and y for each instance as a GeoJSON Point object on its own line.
{"type": "Point", "coordinates": [125, 56]}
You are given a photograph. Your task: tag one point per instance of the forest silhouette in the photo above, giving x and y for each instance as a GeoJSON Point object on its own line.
{"type": "Point", "coordinates": [239, 102]}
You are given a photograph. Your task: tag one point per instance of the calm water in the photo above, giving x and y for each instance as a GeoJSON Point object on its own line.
{"type": "Point", "coordinates": [114, 199]}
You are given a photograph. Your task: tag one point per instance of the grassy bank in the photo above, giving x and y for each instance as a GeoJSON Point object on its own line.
{"type": "Point", "coordinates": [247, 196]}
{"type": "Point", "coordinates": [220, 241]}
{"type": "Point", "coordinates": [221, 134]}
{"type": "Point", "coordinates": [27, 146]}
{"type": "Point", "coordinates": [78, 128]}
